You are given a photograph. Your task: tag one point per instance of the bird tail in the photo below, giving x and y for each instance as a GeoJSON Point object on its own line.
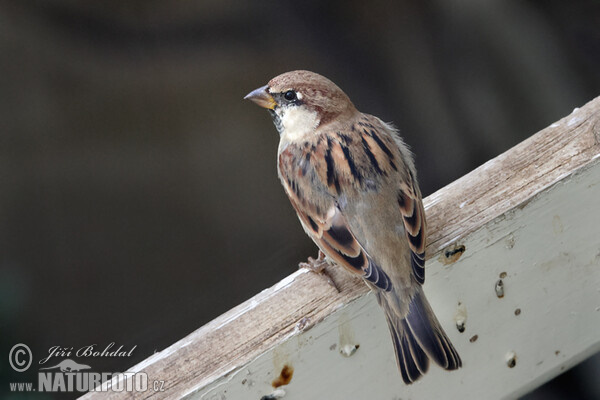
{"type": "Point", "coordinates": [417, 337]}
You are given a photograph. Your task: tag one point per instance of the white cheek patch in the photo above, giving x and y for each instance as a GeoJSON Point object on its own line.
{"type": "Point", "coordinates": [297, 122]}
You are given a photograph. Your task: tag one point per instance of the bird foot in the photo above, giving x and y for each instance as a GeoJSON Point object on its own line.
{"type": "Point", "coordinates": [318, 267]}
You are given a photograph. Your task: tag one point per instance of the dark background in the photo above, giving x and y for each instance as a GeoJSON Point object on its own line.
{"type": "Point", "coordinates": [138, 192]}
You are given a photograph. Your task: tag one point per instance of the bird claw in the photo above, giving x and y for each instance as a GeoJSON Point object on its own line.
{"type": "Point", "coordinates": [318, 267]}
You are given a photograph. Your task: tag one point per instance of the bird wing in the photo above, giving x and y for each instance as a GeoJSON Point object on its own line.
{"type": "Point", "coordinates": [386, 149]}
{"type": "Point", "coordinates": [328, 228]}
{"type": "Point", "coordinates": [333, 236]}
{"type": "Point", "coordinates": [413, 216]}
{"type": "Point", "coordinates": [386, 152]}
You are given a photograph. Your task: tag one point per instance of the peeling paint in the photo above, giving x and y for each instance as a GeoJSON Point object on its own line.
{"type": "Point", "coordinates": [285, 376]}
{"type": "Point", "coordinates": [460, 317]}
{"type": "Point", "coordinates": [451, 254]}
{"type": "Point", "coordinates": [304, 324]}
{"type": "Point", "coordinates": [277, 394]}
{"type": "Point", "coordinates": [511, 359]}
{"type": "Point", "coordinates": [499, 288]}
{"type": "Point", "coordinates": [510, 241]}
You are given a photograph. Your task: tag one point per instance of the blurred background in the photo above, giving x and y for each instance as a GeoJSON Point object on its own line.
{"type": "Point", "coordinates": [138, 193]}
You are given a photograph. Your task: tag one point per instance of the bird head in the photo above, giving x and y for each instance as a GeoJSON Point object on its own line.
{"type": "Point", "coordinates": [301, 101]}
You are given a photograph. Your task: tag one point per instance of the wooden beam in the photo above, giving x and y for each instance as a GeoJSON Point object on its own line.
{"type": "Point", "coordinates": [514, 262]}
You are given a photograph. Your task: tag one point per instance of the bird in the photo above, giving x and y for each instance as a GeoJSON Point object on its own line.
{"type": "Point", "coordinates": [352, 181]}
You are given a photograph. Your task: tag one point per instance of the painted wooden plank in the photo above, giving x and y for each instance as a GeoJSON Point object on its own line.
{"type": "Point", "coordinates": [528, 218]}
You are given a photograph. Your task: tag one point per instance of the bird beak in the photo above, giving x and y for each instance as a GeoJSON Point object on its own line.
{"type": "Point", "coordinates": [262, 97]}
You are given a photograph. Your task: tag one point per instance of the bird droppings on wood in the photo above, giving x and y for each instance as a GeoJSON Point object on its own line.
{"type": "Point", "coordinates": [277, 394]}
{"type": "Point", "coordinates": [557, 352]}
{"type": "Point", "coordinates": [502, 275]}
{"type": "Point", "coordinates": [349, 350]}
{"type": "Point", "coordinates": [333, 346]}
{"type": "Point", "coordinates": [285, 376]}
{"type": "Point", "coordinates": [474, 338]}
{"type": "Point", "coordinates": [511, 359]}
{"type": "Point", "coordinates": [518, 311]}
{"type": "Point", "coordinates": [499, 288]}
{"type": "Point", "coordinates": [574, 121]}
{"type": "Point", "coordinates": [451, 254]}
{"type": "Point", "coordinates": [460, 317]}
{"type": "Point", "coordinates": [348, 345]}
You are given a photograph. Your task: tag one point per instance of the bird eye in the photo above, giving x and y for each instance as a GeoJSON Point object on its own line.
{"type": "Point", "coordinates": [290, 95]}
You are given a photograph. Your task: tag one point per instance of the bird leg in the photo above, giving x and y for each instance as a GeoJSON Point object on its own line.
{"type": "Point", "coordinates": [318, 266]}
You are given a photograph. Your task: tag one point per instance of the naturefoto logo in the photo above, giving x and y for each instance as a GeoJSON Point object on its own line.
{"type": "Point", "coordinates": [68, 375]}
{"type": "Point", "coordinates": [69, 366]}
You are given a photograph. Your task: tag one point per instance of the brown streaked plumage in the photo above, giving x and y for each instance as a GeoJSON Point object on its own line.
{"type": "Point", "coordinates": [352, 181]}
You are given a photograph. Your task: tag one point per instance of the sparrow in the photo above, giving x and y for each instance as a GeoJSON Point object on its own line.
{"type": "Point", "coordinates": [352, 181]}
